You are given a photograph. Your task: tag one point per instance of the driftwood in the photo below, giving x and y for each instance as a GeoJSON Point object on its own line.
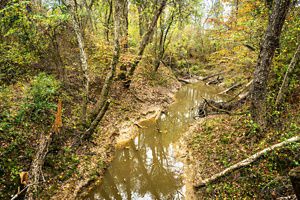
{"type": "Point", "coordinates": [35, 172]}
{"type": "Point", "coordinates": [245, 162]}
{"type": "Point", "coordinates": [234, 86]}
{"type": "Point", "coordinates": [213, 75]}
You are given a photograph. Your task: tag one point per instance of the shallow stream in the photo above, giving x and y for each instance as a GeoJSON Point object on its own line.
{"type": "Point", "coordinates": [149, 166]}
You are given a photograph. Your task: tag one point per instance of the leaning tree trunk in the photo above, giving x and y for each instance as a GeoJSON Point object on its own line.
{"type": "Point", "coordinates": [102, 105]}
{"type": "Point", "coordinates": [285, 83]}
{"type": "Point", "coordinates": [261, 74]}
{"type": "Point", "coordinates": [145, 41]}
{"type": "Point", "coordinates": [83, 59]}
{"type": "Point", "coordinates": [36, 172]}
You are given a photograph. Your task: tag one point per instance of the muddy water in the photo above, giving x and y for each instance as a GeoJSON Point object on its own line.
{"type": "Point", "coordinates": [149, 167]}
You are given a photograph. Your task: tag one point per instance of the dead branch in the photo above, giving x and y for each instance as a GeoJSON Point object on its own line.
{"type": "Point", "coordinates": [219, 79]}
{"type": "Point", "coordinates": [23, 190]}
{"type": "Point", "coordinates": [183, 80]}
{"type": "Point", "coordinates": [213, 75]}
{"type": "Point", "coordinates": [230, 105]}
{"type": "Point", "coordinates": [234, 86]}
{"type": "Point", "coordinates": [215, 108]}
{"type": "Point", "coordinates": [245, 162]}
{"type": "Point", "coordinates": [289, 71]}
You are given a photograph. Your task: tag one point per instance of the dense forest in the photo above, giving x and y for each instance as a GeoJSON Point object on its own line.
{"type": "Point", "coordinates": [87, 86]}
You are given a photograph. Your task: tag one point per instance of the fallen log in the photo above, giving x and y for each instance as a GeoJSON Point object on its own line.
{"type": "Point", "coordinates": [234, 86]}
{"type": "Point", "coordinates": [230, 105]}
{"type": "Point", "coordinates": [36, 172]}
{"type": "Point", "coordinates": [213, 75]}
{"type": "Point", "coordinates": [183, 80]}
{"type": "Point", "coordinates": [245, 162]}
{"type": "Point", "coordinates": [215, 81]}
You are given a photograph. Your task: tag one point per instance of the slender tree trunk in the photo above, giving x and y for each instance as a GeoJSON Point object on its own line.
{"type": "Point", "coordinates": [108, 19]}
{"type": "Point", "coordinates": [124, 25]}
{"type": "Point", "coordinates": [97, 114]}
{"type": "Point", "coordinates": [261, 74]}
{"type": "Point", "coordinates": [164, 31]}
{"type": "Point", "coordinates": [84, 64]}
{"type": "Point", "coordinates": [145, 41]}
{"type": "Point", "coordinates": [289, 71]}
{"type": "Point", "coordinates": [141, 25]}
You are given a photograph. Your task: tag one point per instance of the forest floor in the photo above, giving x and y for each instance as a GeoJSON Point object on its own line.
{"type": "Point", "coordinates": [149, 93]}
{"type": "Point", "coordinates": [220, 141]}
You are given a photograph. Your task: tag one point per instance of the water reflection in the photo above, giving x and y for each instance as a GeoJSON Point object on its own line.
{"type": "Point", "coordinates": [148, 168]}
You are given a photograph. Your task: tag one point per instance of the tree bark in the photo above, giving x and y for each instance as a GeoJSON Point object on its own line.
{"type": "Point", "coordinates": [261, 74]}
{"type": "Point", "coordinates": [289, 71]}
{"type": "Point", "coordinates": [102, 102]}
{"type": "Point", "coordinates": [141, 25]}
{"type": "Point", "coordinates": [108, 19]}
{"type": "Point", "coordinates": [83, 58]}
{"type": "Point", "coordinates": [124, 25]}
{"type": "Point", "coordinates": [295, 179]}
{"type": "Point", "coordinates": [145, 41]}
{"type": "Point", "coordinates": [246, 162]}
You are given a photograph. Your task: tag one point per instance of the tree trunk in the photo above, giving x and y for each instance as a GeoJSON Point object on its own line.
{"type": "Point", "coordinates": [102, 102]}
{"type": "Point", "coordinates": [108, 19]}
{"type": "Point", "coordinates": [164, 31]}
{"type": "Point", "coordinates": [268, 47]}
{"type": "Point", "coordinates": [295, 179]}
{"type": "Point", "coordinates": [141, 25]}
{"type": "Point", "coordinates": [124, 25]}
{"type": "Point", "coordinates": [289, 71]}
{"type": "Point", "coordinates": [83, 59]}
{"type": "Point", "coordinates": [145, 41]}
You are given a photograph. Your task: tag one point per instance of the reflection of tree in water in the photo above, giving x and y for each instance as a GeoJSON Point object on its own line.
{"type": "Point", "coordinates": [141, 169]}
{"type": "Point", "coordinates": [147, 168]}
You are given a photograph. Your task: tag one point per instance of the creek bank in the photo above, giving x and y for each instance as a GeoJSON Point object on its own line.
{"type": "Point", "coordinates": [217, 142]}
{"type": "Point", "coordinates": [155, 152]}
{"type": "Point", "coordinates": [143, 101]}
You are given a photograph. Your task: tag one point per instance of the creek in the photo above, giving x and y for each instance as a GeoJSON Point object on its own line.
{"type": "Point", "coordinates": [149, 167]}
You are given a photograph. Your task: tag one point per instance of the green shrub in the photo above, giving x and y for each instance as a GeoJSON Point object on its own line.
{"type": "Point", "coordinates": [40, 98]}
